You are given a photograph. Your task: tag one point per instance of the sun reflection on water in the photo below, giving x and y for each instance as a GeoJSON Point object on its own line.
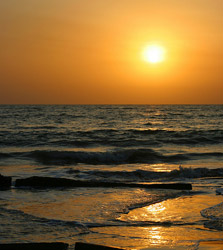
{"type": "Point", "coordinates": [156, 208]}
{"type": "Point", "coordinates": [153, 213]}
{"type": "Point", "coordinates": [155, 234]}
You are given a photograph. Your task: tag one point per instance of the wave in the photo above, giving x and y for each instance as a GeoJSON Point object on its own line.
{"type": "Point", "coordinates": [4, 155]}
{"type": "Point", "coordinates": [50, 135]}
{"type": "Point", "coordinates": [119, 156]}
{"type": "Point", "coordinates": [182, 137]}
{"type": "Point", "coordinates": [49, 222]}
{"type": "Point", "coordinates": [77, 227]}
{"type": "Point", "coordinates": [214, 213]}
{"type": "Point", "coordinates": [215, 216]}
{"type": "Point", "coordinates": [145, 175]}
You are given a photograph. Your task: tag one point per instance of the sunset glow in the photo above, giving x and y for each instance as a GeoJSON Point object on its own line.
{"type": "Point", "coordinates": [111, 52]}
{"type": "Point", "coordinates": [154, 54]}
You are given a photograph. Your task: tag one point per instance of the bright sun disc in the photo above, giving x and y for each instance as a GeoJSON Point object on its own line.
{"type": "Point", "coordinates": [154, 54]}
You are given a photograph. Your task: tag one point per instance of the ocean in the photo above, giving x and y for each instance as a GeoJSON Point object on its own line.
{"type": "Point", "coordinates": [113, 143]}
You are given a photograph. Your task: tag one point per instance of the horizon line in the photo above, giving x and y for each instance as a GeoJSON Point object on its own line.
{"type": "Point", "coordinates": [107, 104]}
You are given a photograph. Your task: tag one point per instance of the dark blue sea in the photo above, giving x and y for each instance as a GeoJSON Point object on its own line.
{"type": "Point", "coordinates": [113, 143]}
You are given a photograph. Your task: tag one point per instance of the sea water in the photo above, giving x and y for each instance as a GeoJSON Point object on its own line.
{"type": "Point", "coordinates": [118, 143]}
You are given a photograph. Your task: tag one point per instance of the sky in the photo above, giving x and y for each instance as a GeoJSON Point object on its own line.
{"type": "Point", "coordinates": [90, 51]}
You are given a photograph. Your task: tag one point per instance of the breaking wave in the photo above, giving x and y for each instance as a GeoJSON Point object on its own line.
{"type": "Point", "coordinates": [145, 175]}
{"type": "Point", "coordinates": [119, 156]}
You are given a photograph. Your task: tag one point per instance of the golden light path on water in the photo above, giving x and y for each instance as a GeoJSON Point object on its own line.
{"type": "Point", "coordinates": [184, 211]}
{"type": "Point", "coordinates": [168, 215]}
{"type": "Point", "coordinates": [176, 222]}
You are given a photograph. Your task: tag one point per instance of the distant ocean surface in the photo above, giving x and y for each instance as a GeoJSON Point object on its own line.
{"type": "Point", "coordinates": [119, 143]}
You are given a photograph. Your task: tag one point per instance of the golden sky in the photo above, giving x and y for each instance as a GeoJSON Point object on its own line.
{"type": "Point", "coordinates": [90, 51]}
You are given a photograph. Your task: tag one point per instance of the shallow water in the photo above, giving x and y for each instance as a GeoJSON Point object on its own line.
{"type": "Point", "coordinates": [145, 144]}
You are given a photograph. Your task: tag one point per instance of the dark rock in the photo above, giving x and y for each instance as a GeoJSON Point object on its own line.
{"type": "Point", "coordinates": [87, 246]}
{"type": "Point", "coordinates": [34, 246]}
{"type": "Point", "coordinates": [5, 182]}
{"type": "Point", "coordinates": [50, 182]}
{"type": "Point", "coordinates": [39, 182]}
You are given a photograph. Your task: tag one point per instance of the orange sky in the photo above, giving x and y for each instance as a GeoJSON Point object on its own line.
{"type": "Point", "coordinates": [90, 51]}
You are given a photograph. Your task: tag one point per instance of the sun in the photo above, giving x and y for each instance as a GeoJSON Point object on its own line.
{"type": "Point", "coordinates": [154, 54]}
